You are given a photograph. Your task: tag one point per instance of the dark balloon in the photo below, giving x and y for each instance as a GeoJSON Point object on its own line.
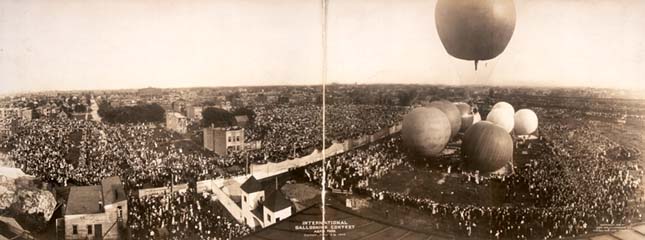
{"type": "Point", "coordinates": [452, 112]}
{"type": "Point", "coordinates": [426, 131]}
{"type": "Point", "coordinates": [475, 30]}
{"type": "Point", "coordinates": [486, 147]}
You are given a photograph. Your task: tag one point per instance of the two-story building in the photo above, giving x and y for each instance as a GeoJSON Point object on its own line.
{"type": "Point", "coordinates": [260, 209]}
{"type": "Point", "coordinates": [223, 140]}
{"type": "Point", "coordinates": [96, 212]}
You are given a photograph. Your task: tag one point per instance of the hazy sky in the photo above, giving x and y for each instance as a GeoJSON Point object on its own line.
{"type": "Point", "coordinates": [93, 44]}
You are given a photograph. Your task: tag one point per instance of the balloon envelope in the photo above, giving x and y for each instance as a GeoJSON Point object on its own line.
{"type": "Point", "coordinates": [526, 122]}
{"type": "Point", "coordinates": [426, 131]}
{"type": "Point", "coordinates": [486, 147]}
{"type": "Point", "coordinates": [467, 116]}
{"type": "Point", "coordinates": [502, 118]}
{"type": "Point", "coordinates": [504, 106]}
{"type": "Point", "coordinates": [476, 118]}
{"type": "Point", "coordinates": [452, 112]}
{"type": "Point", "coordinates": [475, 29]}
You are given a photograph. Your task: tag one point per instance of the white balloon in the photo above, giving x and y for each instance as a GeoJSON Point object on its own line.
{"type": "Point", "coordinates": [526, 122]}
{"type": "Point", "coordinates": [502, 118]}
{"type": "Point", "coordinates": [504, 106]}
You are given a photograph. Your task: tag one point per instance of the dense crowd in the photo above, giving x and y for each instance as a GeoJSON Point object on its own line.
{"type": "Point", "coordinates": [568, 185]}
{"type": "Point", "coordinates": [295, 131]}
{"type": "Point", "coordinates": [84, 152]}
{"type": "Point", "coordinates": [353, 169]}
{"type": "Point", "coordinates": [187, 215]}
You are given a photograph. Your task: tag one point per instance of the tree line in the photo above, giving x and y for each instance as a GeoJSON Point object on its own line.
{"type": "Point", "coordinates": [142, 113]}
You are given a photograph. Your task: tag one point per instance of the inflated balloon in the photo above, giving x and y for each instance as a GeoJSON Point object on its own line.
{"type": "Point", "coordinates": [476, 118]}
{"type": "Point", "coordinates": [426, 131]}
{"type": "Point", "coordinates": [486, 147]}
{"type": "Point", "coordinates": [526, 122]}
{"type": "Point", "coordinates": [452, 112]}
{"type": "Point", "coordinates": [475, 30]}
{"type": "Point", "coordinates": [467, 116]}
{"type": "Point", "coordinates": [504, 106]}
{"type": "Point", "coordinates": [502, 118]}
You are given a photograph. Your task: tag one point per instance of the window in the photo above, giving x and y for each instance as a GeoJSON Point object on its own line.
{"type": "Point", "coordinates": [74, 229]}
{"type": "Point", "coordinates": [268, 217]}
{"type": "Point", "coordinates": [229, 139]}
{"type": "Point", "coordinates": [89, 229]}
{"type": "Point", "coordinates": [237, 138]}
{"type": "Point", "coordinates": [244, 198]}
{"type": "Point", "coordinates": [277, 219]}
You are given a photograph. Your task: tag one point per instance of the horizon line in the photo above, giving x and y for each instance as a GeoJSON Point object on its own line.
{"type": "Point", "coordinates": [23, 92]}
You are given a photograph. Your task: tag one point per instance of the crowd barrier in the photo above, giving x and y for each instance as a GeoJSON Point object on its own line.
{"type": "Point", "coordinates": [225, 200]}
{"type": "Point", "coordinates": [260, 171]}
{"type": "Point", "coordinates": [162, 190]}
{"type": "Point", "coordinates": [204, 186]}
{"type": "Point", "coordinates": [275, 168]}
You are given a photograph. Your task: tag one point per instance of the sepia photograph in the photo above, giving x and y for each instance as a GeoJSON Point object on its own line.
{"type": "Point", "coordinates": [322, 119]}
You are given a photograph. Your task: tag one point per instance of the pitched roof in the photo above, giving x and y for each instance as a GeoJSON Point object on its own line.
{"type": "Point", "coordinates": [300, 224]}
{"type": "Point", "coordinates": [242, 118]}
{"type": "Point", "coordinates": [84, 200]}
{"type": "Point", "coordinates": [276, 201]}
{"type": "Point", "coordinates": [112, 190]}
{"type": "Point", "coordinates": [11, 222]}
{"type": "Point", "coordinates": [251, 185]}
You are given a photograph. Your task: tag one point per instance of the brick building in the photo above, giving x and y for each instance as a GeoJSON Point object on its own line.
{"type": "Point", "coordinates": [224, 140]}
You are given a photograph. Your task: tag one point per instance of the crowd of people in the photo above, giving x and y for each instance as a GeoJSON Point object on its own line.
{"type": "Point", "coordinates": [185, 215]}
{"type": "Point", "coordinates": [353, 169]}
{"type": "Point", "coordinates": [143, 155]}
{"type": "Point", "coordinates": [288, 132]}
{"type": "Point", "coordinates": [569, 183]}
{"type": "Point", "coordinates": [566, 186]}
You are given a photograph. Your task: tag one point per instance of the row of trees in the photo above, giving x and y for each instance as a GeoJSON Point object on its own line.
{"type": "Point", "coordinates": [143, 113]}
{"type": "Point", "coordinates": [221, 118]}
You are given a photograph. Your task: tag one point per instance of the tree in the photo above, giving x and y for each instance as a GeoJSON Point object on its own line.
{"type": "Point", "coordinates": [131, 114]}
{"type": "Point", "coordinates": [217, 117]}
{"type": "Point", "coordinates": [406, 98]}
{"type": "Point", "coordinates": [283, 99]}
{"type": "Point", "coordinates": [261, 98]}
{"type": "Point", "coordinates": [80, 108]}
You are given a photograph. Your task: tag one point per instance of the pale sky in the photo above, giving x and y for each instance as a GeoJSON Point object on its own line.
{"type": "Point", "coordinates": [97, 44]}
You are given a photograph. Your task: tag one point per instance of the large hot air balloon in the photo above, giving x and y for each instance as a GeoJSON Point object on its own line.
{"type": "Point", "coordinates": [475, 30]}
{"type": "Point", "coordinates": [504, 106]}
{"type": "Point", "coordinates": [467, 116]}
{"type": "Point", "coordinates": [526, 122]}
{"type": "Point", "coordinates": [426, 131]}
{"type": "Point", "coordinates": [452, 112]}
{"type": "Point", "coordinates": [502, 118]}
{"type": "Point", "coordinates": [486, 147]}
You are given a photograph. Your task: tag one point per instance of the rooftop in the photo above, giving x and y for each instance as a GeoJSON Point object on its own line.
{"type": "Point", "coordinates": [112, 190]}
{"type": "Point", "coordinates": [276, 201]}
{"type": "Point", "coordinates": [84, 200]}
{"type": "Point", "coordinates": [251, 185]}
